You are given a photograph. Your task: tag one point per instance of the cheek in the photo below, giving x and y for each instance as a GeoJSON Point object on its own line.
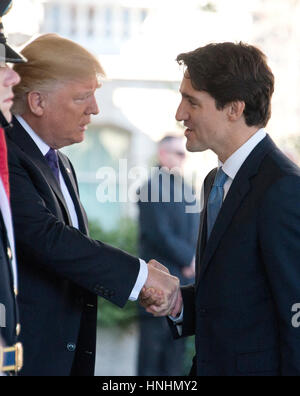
{"type": "Point", "coordinates": [70, 115]}
{"type": "Point", "coordinates": [3, 96]}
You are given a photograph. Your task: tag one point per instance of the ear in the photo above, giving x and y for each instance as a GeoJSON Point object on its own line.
{"type": "Point", "coordinates": [36, 103]}
{"type": "Point", "coordinates": [236, 110]}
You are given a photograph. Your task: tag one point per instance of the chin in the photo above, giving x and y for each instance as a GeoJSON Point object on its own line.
{"type": "Point", "coordinates": [80, 138]}
{"type": "Point", "coordinates": [7, 115]}
{"type": "Point", "coordinates": [191, 147]}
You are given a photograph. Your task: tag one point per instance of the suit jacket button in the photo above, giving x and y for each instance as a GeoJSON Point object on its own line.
{"type": "Point", "coordinates": [18, 329]}
{"type": "Point", "coordinates": [71, 347]}
{"type": "Point", "coordinates": [9, 253]}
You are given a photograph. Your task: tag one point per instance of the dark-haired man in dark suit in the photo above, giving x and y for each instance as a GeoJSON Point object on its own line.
{"type": "Point", "coordinates": [243, 305]}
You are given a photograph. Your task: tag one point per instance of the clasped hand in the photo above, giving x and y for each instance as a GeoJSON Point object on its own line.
{"type": "Point", "coordinates": [161, 293]}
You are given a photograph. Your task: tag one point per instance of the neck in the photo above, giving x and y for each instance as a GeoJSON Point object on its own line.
{"type": "Point", "coordinates": [234, 141]}
{"type": "Point", "coordinates": [38, 128]}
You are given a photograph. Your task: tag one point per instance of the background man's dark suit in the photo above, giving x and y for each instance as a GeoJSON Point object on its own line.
{"type": "Point", "coordinates": [248, 273]}
{"type": "Point", "coordinates": [168, 234]}
{"type": "Point", "coordinates": [61, 270]}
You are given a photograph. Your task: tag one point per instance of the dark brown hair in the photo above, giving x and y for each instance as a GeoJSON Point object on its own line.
{"type": "Point", "coordinates": [230, 72]}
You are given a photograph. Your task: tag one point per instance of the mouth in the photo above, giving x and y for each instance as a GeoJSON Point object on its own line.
{"type": "Point", "coordinates": [187, 132]}
{"type": "Point", "coordinates": [9, 100]}
{"type": "Point", "coordinates": [83, 128]}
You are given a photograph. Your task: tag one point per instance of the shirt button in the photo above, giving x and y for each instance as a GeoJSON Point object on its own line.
{"type": "Point", "coordinates": [71, 347]}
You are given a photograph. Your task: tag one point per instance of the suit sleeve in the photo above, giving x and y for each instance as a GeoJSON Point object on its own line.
{"type": "Point", "coordinates": [49, 243]}
{"type": "Point", "coordinates": [189, 314]}
{"type": "Point", "coordinates": [280, 246]}
{"type": "Point", "coordinates": [154, 223]}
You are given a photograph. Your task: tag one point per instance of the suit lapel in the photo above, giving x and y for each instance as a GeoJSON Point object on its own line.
{"type": "Point", "coordinates": [237, 192]}
{"type": "Point", "coordinates": [72, 187]}
{"type": "Point", "coordinates": [20, 137]}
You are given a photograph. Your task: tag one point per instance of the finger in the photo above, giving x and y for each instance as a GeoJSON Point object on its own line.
{"type": "Point", "coordinates": [152, 294]}
{"type": "Point", "coordinates": [159, 266]}
{"type": "Point", "coordinates": [156, 300]}
{"type": "Point", "coordinates": [146, 293]}
{"type": "Point", "coordinates": [166, 307]}
{"type": "Point", "coordinates": [157, 311]}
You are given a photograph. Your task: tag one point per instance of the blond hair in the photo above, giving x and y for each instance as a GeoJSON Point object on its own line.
{"type": "Point", "coordinates": [52, 60]}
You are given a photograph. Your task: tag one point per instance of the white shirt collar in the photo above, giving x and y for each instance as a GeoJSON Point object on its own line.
{"type": "Point", "coordinates": [44, 148]}
{"type": "Point", "coordinates": [233, 164]}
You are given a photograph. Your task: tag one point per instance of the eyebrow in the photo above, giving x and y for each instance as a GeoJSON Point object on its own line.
{"type": "Point", "coordinates": [186, 96]}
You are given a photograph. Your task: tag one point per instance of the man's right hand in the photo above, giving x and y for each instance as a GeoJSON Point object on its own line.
{"type": "Point", "coordinates": [161, 290]}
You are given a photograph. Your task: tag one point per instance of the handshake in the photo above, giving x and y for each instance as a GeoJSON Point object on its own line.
{"type": "Point", "coordinates": [161, 293]}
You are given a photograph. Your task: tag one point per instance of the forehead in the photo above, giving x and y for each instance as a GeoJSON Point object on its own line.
{"type": "Point", "coordinates": [84, 85]}
{"type": "Point", "coordinates": [186, 87]}
{"type": "Point", "coordinates": [189, 92]}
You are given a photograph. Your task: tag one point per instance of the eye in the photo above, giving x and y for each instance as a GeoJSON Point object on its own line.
{"type": "Point", "coordinates": [80, 99]}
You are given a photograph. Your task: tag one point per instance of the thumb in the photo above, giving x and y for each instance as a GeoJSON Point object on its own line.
{"type": "Point", "coordinates": [159, 266]}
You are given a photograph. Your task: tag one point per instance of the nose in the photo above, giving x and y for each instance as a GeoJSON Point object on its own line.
{"type": "Point", "coordinates": [12, 78]}
{"type": "Point", "coordinates": [181, 114]}
{"type": "Point", "coordinates": [93, 106]}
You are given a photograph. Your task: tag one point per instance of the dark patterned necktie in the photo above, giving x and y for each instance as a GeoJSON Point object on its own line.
{"type": "Point", "coordinates": [52, 160]}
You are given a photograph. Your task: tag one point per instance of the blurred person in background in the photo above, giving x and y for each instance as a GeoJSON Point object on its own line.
{"type": "Point", "coordinates": [10, 349]}
{"type": "Point", "coordinates": [62, 270]}
{"type": "Point", "coordinates": [169, 234]}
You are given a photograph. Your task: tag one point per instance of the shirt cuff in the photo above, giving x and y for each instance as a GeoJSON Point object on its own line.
{"type": "Point", "coordinates": [178, 322]}
{"type": "Point", "coordinates": [140, 282]}
{"type": "Point", "coordinates": [179, 319]}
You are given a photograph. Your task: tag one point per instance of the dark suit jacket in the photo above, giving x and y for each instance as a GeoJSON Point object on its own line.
{"type": "Point", "coordinates": [8, 309]}
{"type": "Point", "coordinates": [61, 270]}
{"type": "Point", "coordinates": [167, 232]}
{"type": "Point", "coordinates": [249, 273]}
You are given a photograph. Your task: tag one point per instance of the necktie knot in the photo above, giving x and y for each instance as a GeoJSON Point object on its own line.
{"type": "Point", "coordinates": [220, 178]}
{"type": "Point", "coordinates": [52, 160]}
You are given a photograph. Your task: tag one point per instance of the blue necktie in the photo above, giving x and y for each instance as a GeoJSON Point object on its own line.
{"type": "Point", "coordinates": [52, 160]}
{"type": "Point", "coordinates": [215, 200]}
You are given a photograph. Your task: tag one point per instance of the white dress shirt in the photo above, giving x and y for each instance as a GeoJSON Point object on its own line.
{"type": "Point", "coordinates": [234, 163]}
{"type": "Point", "coordinates": [231, 167]}
{"type": "Point", "coordinates": [44, 148]}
